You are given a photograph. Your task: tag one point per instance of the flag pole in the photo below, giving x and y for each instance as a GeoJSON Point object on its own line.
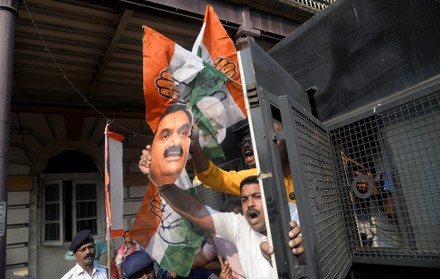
{"type": "Point", "coordinates": [236, 82]}
{"type": "Point", "coordinates": [109, 268]}
{"type": "Point", "coordinates": [106, 192]}
{"type": "Point", "coordinates": [219, 256]}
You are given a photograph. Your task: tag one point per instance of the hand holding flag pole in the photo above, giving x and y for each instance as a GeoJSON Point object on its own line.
{"type": "Point", "coordinates": [219, 255]}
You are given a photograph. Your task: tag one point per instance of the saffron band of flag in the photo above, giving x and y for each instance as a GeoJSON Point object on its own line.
{"type": "Point", "coordinates": [113, 184]}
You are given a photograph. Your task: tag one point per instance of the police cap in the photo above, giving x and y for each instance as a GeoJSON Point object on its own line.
{"type": "Point", "coordinates": [136, 262]}
{"type": "Point", "coordinates": [81, 238]}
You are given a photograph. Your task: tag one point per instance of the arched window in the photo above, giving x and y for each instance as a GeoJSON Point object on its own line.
{"type": "Point", "coordinates": [70, 161]}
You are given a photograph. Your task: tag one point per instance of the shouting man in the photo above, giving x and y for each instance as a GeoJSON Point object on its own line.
{"type": "Point", "coordinates": [247, 231]}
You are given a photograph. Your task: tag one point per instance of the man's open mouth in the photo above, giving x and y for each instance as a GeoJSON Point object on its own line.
{"type": "Point", "coordinates": [248, 153]}
{"type": "Point", "coordinates": [252, 214]}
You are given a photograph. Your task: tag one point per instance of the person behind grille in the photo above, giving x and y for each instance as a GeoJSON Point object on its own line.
{"type": "Point", "coordinates": [376, 214]}
{"type": "Point", "coordinates": [374, 203]}
{"type": "Point", "coordinates": [229, 181]}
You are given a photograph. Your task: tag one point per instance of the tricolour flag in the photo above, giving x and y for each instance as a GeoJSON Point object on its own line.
{"type": "Point", "coordinates": [169, 238]}
{"type": "Point", "coordinates": [215, 47]}
{"type": "Point", "coordinates": [148, 217]}
{"type": "Point", "coordinates": [176, 240]}
{"type": "Point", "coordinates": [113, 184]}
{"type": "Point", "coordinates": [167, 70]}
{"type": "Point", "coordinates": [171, 75]}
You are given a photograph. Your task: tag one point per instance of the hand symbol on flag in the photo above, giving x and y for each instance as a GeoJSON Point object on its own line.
{"type": "Point", "coordinates": [167, 87]}
{"type": "Point", "coordinates": [225, 66]}
{"type": "Point", "coordinates": [156, 206]}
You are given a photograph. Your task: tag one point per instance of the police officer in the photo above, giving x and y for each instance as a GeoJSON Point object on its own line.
{"type": "Point", "coordinates": [83, 248]}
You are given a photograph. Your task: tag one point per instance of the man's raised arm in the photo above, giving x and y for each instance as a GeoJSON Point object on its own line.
{"type": "Point", "coordinates": [181, 201]}
{"type": "Point", "coordinates": [200, 161]}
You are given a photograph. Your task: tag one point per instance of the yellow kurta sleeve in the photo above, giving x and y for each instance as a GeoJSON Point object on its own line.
{"type": "Point", "coordinates": [224, 181]}
{"type": "Point", "coordinates": [228, 182]}
{"type": "Point", "coordinates": [288, 182]}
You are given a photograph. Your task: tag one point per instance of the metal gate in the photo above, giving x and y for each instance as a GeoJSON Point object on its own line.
{"type": "Point", "coordinates": [396, 150]}
{"type": "Point", "coordinates": [366, 185]}
{"type": "Point", "coordinates": [274, 96]}
{"type": "Point", "coordinates": [373, 79]}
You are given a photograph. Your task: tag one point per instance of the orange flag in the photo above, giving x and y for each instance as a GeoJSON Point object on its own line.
{"type": "Point", "coordinates": [215, 47]}
{"type": "Point", "coordinates": [167, 70]}
{"type": "Point", "coordinates": [148, 217]}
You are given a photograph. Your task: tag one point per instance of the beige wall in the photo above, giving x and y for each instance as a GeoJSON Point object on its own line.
{"type": "Point", "coordinates": [19, 242]}
{"type": "Point", "coordinates": [34, 139]}
{"type": "Point", "coordinates": [17, 234]}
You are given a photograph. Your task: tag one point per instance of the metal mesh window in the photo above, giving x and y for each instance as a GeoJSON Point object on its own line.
{"type": "Point", "coordinates": [388, 166]}
{"type": "Point", "coordinates": [210, 197]}
{"type": "Point", "coordinates": [317, 160]}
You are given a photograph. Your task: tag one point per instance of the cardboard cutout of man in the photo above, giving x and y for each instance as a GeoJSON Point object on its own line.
{"type": "Point", "coordinates": [170, 145]}
{"type": "Point", "coordinates": [175, 236]}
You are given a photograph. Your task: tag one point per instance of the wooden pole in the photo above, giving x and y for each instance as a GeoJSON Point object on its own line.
{"type": "Point", "coordinates": [230, 79]}
{"type": "Point", "coordinates": [219, 256]}
{"type": "Point", "coordinates": [109, 268]}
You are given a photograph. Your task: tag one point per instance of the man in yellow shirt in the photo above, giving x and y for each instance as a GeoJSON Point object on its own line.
{"type": "Point", "coordinates": [229, 181]}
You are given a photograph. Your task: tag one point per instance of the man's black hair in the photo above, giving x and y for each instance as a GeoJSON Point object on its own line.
{"type": "Point", "coordinates": [241, 128]}
{"type": "Point", "coordinates": [249, 180]}
{"type": "Point", "coordinates": [174, 108]}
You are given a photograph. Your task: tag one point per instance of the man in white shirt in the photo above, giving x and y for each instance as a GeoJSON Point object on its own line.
{"type": "Point", "coordinates": [247, 231]}
{"type": "Point", "coordinates": [83, 248]}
